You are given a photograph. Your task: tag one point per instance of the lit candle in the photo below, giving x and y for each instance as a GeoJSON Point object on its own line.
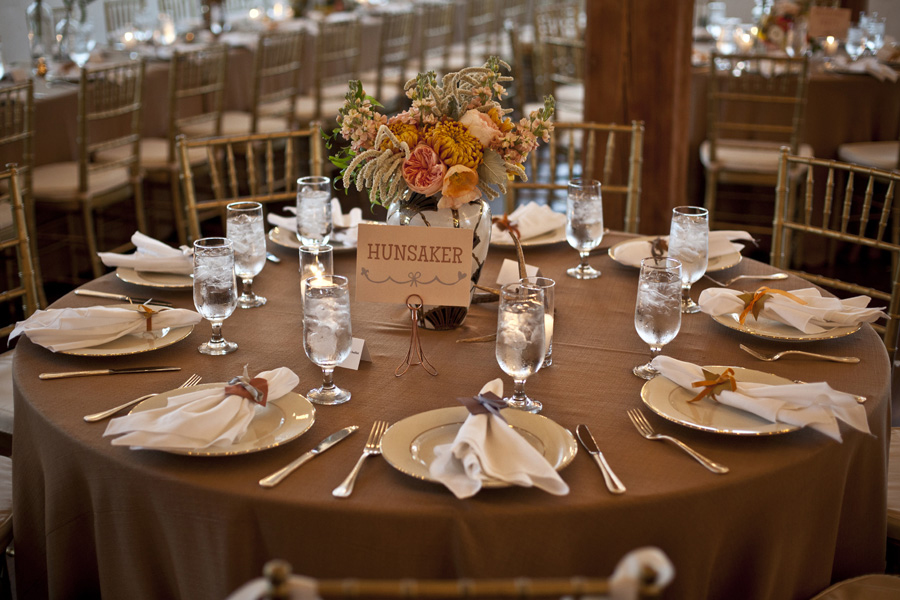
{"type": "Point", "coordinates": [254, 13]}
{"type": "Point", "coordinates": [128, 40]}
{"type": "Point", "coordinates": [830, 46]}
{"type": "Point", "coordinates": [744, 42]}
{"type": "Point", "coordinates": [278, 11]}
{"type": "Point", "coordinates": [167, 33]}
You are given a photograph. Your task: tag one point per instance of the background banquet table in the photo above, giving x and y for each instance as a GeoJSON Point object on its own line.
{"type": "Point", "coordinates": [796, 512]}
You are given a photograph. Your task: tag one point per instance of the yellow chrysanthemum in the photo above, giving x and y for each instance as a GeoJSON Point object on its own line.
{"type": "Point", "coordinates": [455, 145]}
{"type": "Point", "coordinates": [404, 132]}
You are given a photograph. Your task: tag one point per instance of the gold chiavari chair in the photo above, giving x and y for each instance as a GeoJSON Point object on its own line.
{"type": "Point", "coordinates": [19, 295]}
{"type": "Point", "coordinates": [756, 104]}
{"type": "Point", "coordinates": [195, 100]}
{"type": "Point", "coordinates": [435, 35]}
{"type": "Point", "coordinates": [559, 59]}
{"type": "Point", "coordinates": [338, 52]}
{"type": "Point", "coordinates": [273, 178]}
{"type": "Point", "coordinates": [395, 48]}
{"type": "Point", "coordinates": [17, 146]}
{"type": "Point", "coordinates": [109, 119]}
{"type": "Point", "coordinates": [573, 151]}
{"type": "Point", "coordinates": [838, 217]}
{"type": "Point", "coordinates": [276, 81]}
{"type": "Point", "coordinates": [480, 38]}
{"type": "Point", "coordinates": [119, 14]}
{"type": "Point", "coordinates": [184, 13]}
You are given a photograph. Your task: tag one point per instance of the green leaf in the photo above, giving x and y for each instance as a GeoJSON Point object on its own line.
{"type": "Point", "coordinates": [492, 169]}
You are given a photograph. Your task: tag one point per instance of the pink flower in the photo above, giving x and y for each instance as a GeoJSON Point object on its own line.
{"type": "Point", "coordinates": [424, 171]}
{"type": "Point", "coordinates": [459, 187]}
{"type": "Point", "coordinates": [481, 126]}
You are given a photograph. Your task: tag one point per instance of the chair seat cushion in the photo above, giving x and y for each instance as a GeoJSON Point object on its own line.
{"type": "Point", "coordinates": [306, 109]}
{"type": "Point", "coordinates": [564, 113]}
{"type": "Point", "coordinates": [391, 87]}
{"type": "Point", "coordinates": [749, 157]}
{"type": "Point", "coordinates": [893, 486]}
{"type": "Point", "coordinates": [866, 587]}
{"type": "Point", "coordinates": [880, 155]}
{"type": "Point", "coordinates": [569, 94]}
{"type": "Point", "coordinates": [154, 154]}
{"type": "Point", "coordinates": [239, 122]}
{"type": "Point", "coordinates": [59, 181]}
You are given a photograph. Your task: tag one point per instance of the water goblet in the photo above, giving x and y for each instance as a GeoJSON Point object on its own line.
{"type": "Point", "coordinates": [244, 227]}
{"type": "Point", "coordinates": [314, 222]}
{"type": "Point", "coordinates": [549, 288]}
{"type": "Point", "coordinates": [584, 224]}
{"type": "Point", "coordinates": [327, 336]}
{"type": "Point", "coordinates": [215, 289]}
{"type": "Point", "coordinates": [520, 344]}
{"type": "Point", "coordinates": [657, 310]}
{"type": "Point", "coordinates": [689, 243]}
{"type": "Point", "coordinates": [855, 42]}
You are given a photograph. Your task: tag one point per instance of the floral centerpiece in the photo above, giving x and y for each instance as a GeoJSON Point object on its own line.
{"type": "Point", "coordinates": [436, 163]}
{"type": "Point", "coordinates": [782, 22]}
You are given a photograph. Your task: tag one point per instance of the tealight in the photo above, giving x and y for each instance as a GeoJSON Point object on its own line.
{"type": "Point", "coordinates": [830, 46]}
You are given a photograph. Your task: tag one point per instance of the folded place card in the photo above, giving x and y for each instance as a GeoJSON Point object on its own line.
{"type": "Point", "coordinates": [358, 352]}
{"type": "Point", "coordinates": [509, 272]}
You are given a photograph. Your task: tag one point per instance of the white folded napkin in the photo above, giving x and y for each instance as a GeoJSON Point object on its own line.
{"type": "Point", "coordinates": [814, 405]}
{"type": "Point", "coordinates": [349, 222]}
{"type": "Point", "coordinates": [487, 447]}
{"type": "Point", "coordinates": [152, 255]}
{"type": "Point", "coordinates": [298, 588]}
{"type": "Point", "coordinates": [625, 582]}
{"type": "Point", "coordinates": [199, 419]}
{"type": "Point", "coordinates": [532, 220]}
{"type": "Point", "coordinates": [70, 328]}
{"type": "Point", "coordinates": [817, 315]}
{"type": "Point", "coordinates": [721, 243]}
{"type": "Point", "coordinates": [869, 65]}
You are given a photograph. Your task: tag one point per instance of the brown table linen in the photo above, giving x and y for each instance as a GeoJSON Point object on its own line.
{"type": "Point", "coordinates": [796, 512]}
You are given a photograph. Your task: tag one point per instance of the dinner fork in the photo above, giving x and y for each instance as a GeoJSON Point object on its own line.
{"type": "Point", "coordinates": [645, 429]}
{"type": "Point", "coordinates": [739, 277]}
{"type": "Point", "coordinates": [777, 355]}
{"type": "Point", "coordinates": [373, 446]}
{"type": "Point", "coordinates": [191, 382]}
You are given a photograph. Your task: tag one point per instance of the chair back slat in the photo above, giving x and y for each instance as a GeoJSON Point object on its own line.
{"type": "Point", "coordinates": [338, 52]}
{"type": "Point", "coordinates": [435, 35]}
{"type": "Point", "coordinates": [196, 91]}
{"type": "Point", "coordinates": [21, 295]}
{"type": "Point", "coordinates": [276, 83]}
{"type": "Point", "coordinates": [119, 14]}
{"type": "Point", "coordinates": [397, 27]}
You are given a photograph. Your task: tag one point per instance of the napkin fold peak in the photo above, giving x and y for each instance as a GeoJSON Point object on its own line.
{"type": "Point", "coordinates": [153, 256]}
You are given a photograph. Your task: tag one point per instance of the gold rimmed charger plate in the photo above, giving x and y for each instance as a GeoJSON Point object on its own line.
{"type": "Point", "coordinates": [770, 329]}
{"type": "Point", "coordinates": [545, 239]}
{"type": "Point", "coordinates": [280, 421]}
{"type": "Point", "coordinates": [671, 401]}
{"type": "Point", "coordinates": [718, 263]}
{"type": "Point", "coordinates": [409, 444]}
{"type": "Point", "coordinates": [133, 344]}
{"type": "Point", "coordinates": [289, 239]}
{"type": "Point", "coordinates": [156, 280]}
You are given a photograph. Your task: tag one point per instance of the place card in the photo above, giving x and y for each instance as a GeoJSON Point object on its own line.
{"type": "Point", "coordinates": [824, 21]}
{"type": "Point", "coordinates": [509, 272]}
{"type": "Point", "coordinates": [358, 352]}
{"type": "Point", "coordinates": [394, 262]}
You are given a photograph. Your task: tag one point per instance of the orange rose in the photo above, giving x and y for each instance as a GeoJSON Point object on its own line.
{"type": "Point", "coordinates": [459, 187]}
{"type": "Point", "coordinates": [424, 171]}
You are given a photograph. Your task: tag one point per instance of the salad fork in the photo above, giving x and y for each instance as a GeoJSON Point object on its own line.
{"type": "Point", "coordinates": [777, 355]}
{"type": "Point", "coordinates": [739, 277]}
{"type": "Point", "coordinates": [373, 446]}
{"type": "Point", "coordinates": [191, 382]}
{"type": "Point", "coordinates": [646, 430]}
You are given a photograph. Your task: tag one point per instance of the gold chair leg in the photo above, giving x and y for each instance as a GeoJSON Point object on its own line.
{"type": "Point", "coordinates": [91, 237]}
{"type": "Point", "coordinates": [712, 182]}
{"type": "Point", "coordinates": [140, 210]}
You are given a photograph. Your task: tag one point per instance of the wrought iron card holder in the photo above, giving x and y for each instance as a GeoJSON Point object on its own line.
{"type": "Point", "coordinates": [415, 355]}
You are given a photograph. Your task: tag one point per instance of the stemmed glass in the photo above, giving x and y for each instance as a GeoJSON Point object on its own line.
{"type": "Point", "coordinates": [657, 310]}
{"type": "Point", "coordinates": [689, 243]}
{"type": "Point", "coordinates": [215, 289]}
{"type": "Point", "coordinates": [584, 224]}
{"type": "Point", "coordinates": [855, 44]}
{"type": "Point", "coordinates": [549, 288]}
{"type": "Point", "coordinates": [520, 344]}
{"type": "Point", "coordinates": [314, 210]}
{"type": "Point", "coordinates": [327, 336]}
{"type": "Point", "coordinates": [244, 227]}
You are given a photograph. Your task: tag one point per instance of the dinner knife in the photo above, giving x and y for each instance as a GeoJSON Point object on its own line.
{"type": "Point", "coordinates": [107, 372]}
{"type": "Point", "coordinates": [122, 297]}
{"type": "Point", "coordinates": [276, 477]}
{"type": "Point", "coordinates": [587, 440]}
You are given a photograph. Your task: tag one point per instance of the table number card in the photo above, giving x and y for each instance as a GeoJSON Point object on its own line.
{"type": "Point", "coordinates": [394, 262]}
{"type": "Point", "coordinates": [358, 352]}
{"type": "Point", "coordinates": [825, 21]}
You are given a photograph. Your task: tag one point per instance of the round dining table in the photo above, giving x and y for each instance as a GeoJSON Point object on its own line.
{"type": "Point", "coordinates": [795, 512]}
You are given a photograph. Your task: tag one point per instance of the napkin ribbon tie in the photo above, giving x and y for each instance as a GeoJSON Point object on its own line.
{"type": "Point", "coordinates": [147, 312]}
{"type": "Point", "coordinates": [659, 247]}
{"type": "Point", "coordinates": [714, 384]}
{"type": "Point", "coordinates": [504, 224]}
{"type": "Point", "coordinates": [485, 403]}
{"type": "Point", "coordinates": [255, 389]}
{"type": "Point", "coordinates": [756, 302]}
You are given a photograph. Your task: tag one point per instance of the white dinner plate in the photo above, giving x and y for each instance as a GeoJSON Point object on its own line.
{"type": "Point", "coordinates": [289, 239]}
{"type": "Point", "coordinates": [545, 239]}
{"type": "Point", "coordinates": [156, 280]}
{"type": "Point", "coordinates": [671, 401]}
{"type": "Point", "coordinates": [771, 329]}
{"type": "Point", "coordinates": [134, 343]}
{"type": "Point", "coordinates": [280, 421]}
{"type": "Point", "coordinates": [719, 263]}
{"type": "Point", "coordinates": [409, 445]}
